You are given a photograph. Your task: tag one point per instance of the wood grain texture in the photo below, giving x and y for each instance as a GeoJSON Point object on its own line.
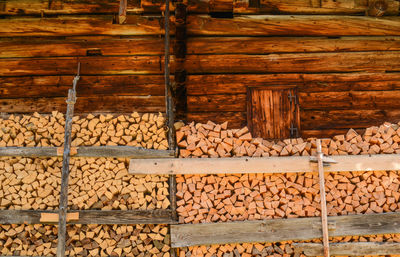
{"type": "Point", "coordinates": [92, 217]}
{"type": "Point", "coordinates": [293, 25]}
{"type": "Point", "coordinates": [350, 249]}
{"type": "Point", "coordinates": [282, 229]}
{"type": "Point", "coordinates": [234, 119]}
{"type": "Point", "coordinates": [80, 25]}
{"type": "Point", "coordinates": [90, 104]}
{"type": "Point", "coordinates": [56, 86]}
{"type": "Point", "coordinates": [262, 165]}
{"type": "Point", "coordinates": [295, 63]}
{"type": "Point", "coordinates": [266, 45]}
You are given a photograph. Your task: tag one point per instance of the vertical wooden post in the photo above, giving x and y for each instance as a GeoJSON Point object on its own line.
{"type": "Point", "coordinates": [123, 6]}
{"type": "Point", "coordinates": [62, 223]}
{"type": "Point", "coordinates": [324, 215]}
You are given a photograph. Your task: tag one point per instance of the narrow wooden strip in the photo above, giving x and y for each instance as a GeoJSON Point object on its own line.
{"type": "Point", "coordinates": [324, 212]}
{"type": "Point", "coordinates": [53, 217]}
{"type": "Point", "coordinates": [277, 230]}
{"type": "Point", "coordinates": [89, 151]}
{"type": "Point", "coordinates": [351, 249]}
{"type": "Point", "coordinates": [91, 217]}
{"type": "Point", "coordinates": [262, 164]}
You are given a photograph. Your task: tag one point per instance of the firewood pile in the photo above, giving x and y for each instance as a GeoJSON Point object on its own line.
{"type": "Point", "coordinates": [86, 240]}
{"type": "Point", "coordinates": [284, 249]}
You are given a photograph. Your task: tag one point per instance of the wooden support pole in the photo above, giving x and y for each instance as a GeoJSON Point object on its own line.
{"type": "Point", "coordinates": [62, 224]}
{"type": "Point", "coordinates": [123, 6]}
{"type": "Point", "coordinates": [324, 212]}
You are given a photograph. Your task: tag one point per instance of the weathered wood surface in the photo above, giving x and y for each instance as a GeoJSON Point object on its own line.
{"type": "Point", "coordinates": [106, 104]}
{"type": "Point", "coordinates": [80, 25]}
{"type": "Point", "coordinates": [224, 103]}
{"type": "Point", "coordinates": [350, 249]}
{"type": "Point", "coordinates": [56, 86]}
{"type": "Point", "coordinates": [262, 165]}
{"type": "Point", "coordinates": [89, 151]}
{"type": "Point", "coordinates": [277, 230]}
{"type": "Point", "coordinates": [45, 47]}
{"type": "Point", "coordinates": [237, 83]}
{"type": "Point", "coordinates": [288, 6]}
{"type": "Point", "coordinates": [91, 65]}
{"type": "Point", "coordinates": [293, 25]}
{"type": "Point", "coordinates": [266, 45]}
{"type": "Point", "coordinates": [298, 62]}
{"type": "Point", "coordinates": [235, 119]}
{"type": "Point", "coordinates": [92, 217]}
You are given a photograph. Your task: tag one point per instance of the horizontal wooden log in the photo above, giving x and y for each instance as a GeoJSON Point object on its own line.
{"type": "Point", "coordinates": [80, 25]}
{"type": "Point", "coordinates": [293, 25]}
{"type": "Point", "coordinates": [215, 103]}
{"type": "Point", "coordinates": [289, 7]}
{"type": "Point", "coordinates": [89, 151]}
{"type": "Point", "coordinates": [262, 165]}
{"type": "Point", "coordinates": [56, 86]}
{"type": "Point", "coordinates": [266, 45]}
{"type": "Point", "coordinates": [92, 217]}
{"type": "Point", "coordinates": [90, 65]}
{"type": "Point", "coordinates": [237, 83]}
{"type": "Point", "coordinates": [80, 47]}
{"type": "Point", "coordinates": [277, 230]}
{"type": "Point", "coordinates": [106, 104]}
{"type": "Point", "coordinates": [298, 62]}
{"type": "Point", "coordinates": [345, 119]}
{"type": "Point", "coordinates": [326, 133]}
{"type": "Point", "coordinates": [350, 249]}
{"type": "Point", "coordinates": [234, 119]}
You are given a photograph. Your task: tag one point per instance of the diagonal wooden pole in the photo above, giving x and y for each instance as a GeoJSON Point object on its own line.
{"type": "Point", "coordinates": [62, 222]}
{"type": "Point", "coordinates": [324, 213]}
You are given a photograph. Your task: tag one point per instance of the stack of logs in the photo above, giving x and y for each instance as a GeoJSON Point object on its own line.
{"type": "Point", "coordinates": [86, 240]}
{"type": "Point", "coordinates": [95, 183]}
{"type": "Point", "coordinates": [234, 197]}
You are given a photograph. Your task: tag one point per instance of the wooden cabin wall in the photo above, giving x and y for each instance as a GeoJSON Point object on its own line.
{"type": "Point", "coordinates": [344, 63]}
{"type": "Point", "coordinates": [42, 41]}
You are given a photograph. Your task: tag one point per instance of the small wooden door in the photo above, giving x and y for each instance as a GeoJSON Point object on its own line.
{"type": "Point", "coordinates": [273, 113]}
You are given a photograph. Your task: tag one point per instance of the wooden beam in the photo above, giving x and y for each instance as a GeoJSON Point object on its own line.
{"type": "Point", "coordinates": [89, 151]}
{"type": "Point", "coordinates": [277, 230]}
{"type": "Point", "coordinates": [92, 217]}
{"type": "Point", "coordinates": [350, 249]}
{"type": "Point", "coordinates": [262, 164]}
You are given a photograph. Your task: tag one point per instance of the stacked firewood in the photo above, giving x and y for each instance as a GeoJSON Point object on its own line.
{"type": "Point", "coordinates": [145, 130]}
{"type": "Point", "coordinates": [284, 249]}
{"type": "Point", "coordinates": [86, 240]}
{"type": "Point", "coordinates": [216, 140]}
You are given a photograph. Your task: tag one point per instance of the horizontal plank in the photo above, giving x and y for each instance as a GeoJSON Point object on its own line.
{"type": "Point", "coordinates": [287, 7]}
{"type": "Point", "coordinates": [238, 83]}
{"type": "Point", "coordinates": [262, 165]}
{"type": "Point", "coordinates": [10, 48]}
{"type": "Point", "coordinates": [336, 119]}
{"type": "Point", "coordinates": [350, 249]}
{"type": "Point", "coordinates": [297, 62]}
{"type": "Point", "coordinates": [55, 86]}
{"type": "Point", "coordinates": [277, 230]}
{"type": "Point", "coordinates": [81, 25]}
{"type": "Point", "coordinates": [89, 151]}
{"type": "Point", "coordinates": [234, 119]}
{"type": "Point", "coordinates": [292, 25]}
{"type": "Point", "coordinates": [89, 104]}
{"type": "Point", "coordinates": [266, 45]}
{"type": "Point", "coordinates": [327, 133]}
{"type": "Point", "coordinates": [92, 217]}
{"type": "Point", "coordinates": [90, 65]}
{"type": "Point", "coordinates": [215, 103]}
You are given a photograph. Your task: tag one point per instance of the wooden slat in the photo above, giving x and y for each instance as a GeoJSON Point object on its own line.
{"type": "Point", "coordinates": [80, 25]}
{"type": "Point", "coordinates": [262, 165]}
{"type": "Point", "coordinates": [80, 47]}
{"type": "Point", "coordinates": [293, 25]}
{"type": "Point", "coordinates": [91, 65]}
{"type": "Point", "coordinates": [234, 119]}
{"type": "Point", "coordinates": [215, 103]}
{"type": "Point", "coordinates": [57, 86]}
{"type": "Point", "coordinates": [351, 249]}
{"type": "Point", "coordinates": [89, 104]}
{"type": "Point", "coordinates": [266, 45]}
{"type": "Point", "coordinates": [89, 151]}
{"type": "Point", "coordinates": [298, 62]}
{"type": "Point", "coordinates": [92, 217]}
{"type": "Point", "coordinates": [277, 230]}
